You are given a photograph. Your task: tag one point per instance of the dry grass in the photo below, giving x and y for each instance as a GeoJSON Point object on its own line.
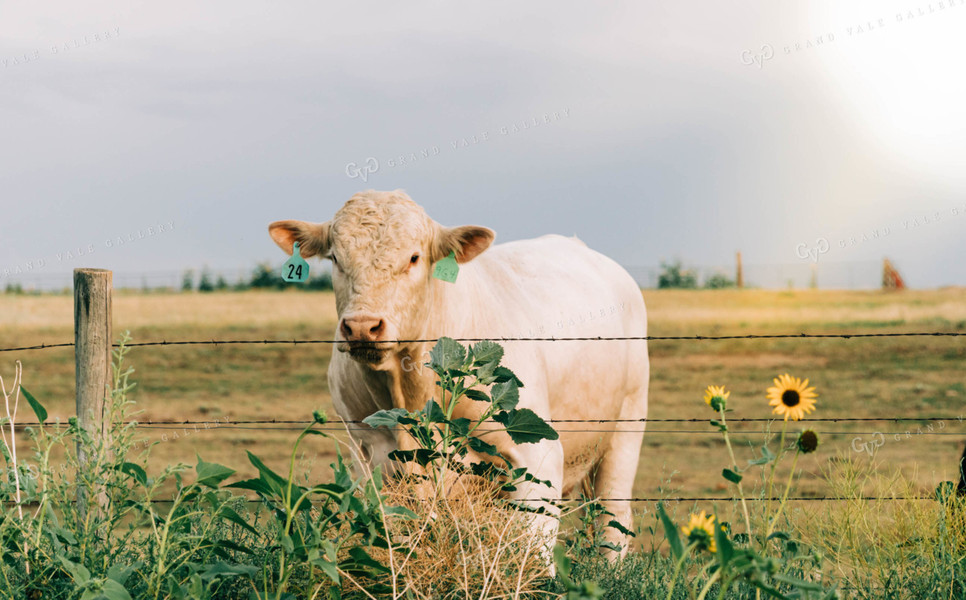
{"type": "Point", "coordinates": [461, 545]}
{"type": "Point", "coordinates": [882, 544]}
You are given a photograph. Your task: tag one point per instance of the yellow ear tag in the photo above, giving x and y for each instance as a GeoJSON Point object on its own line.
{"type": "Point", "coordinates": [295, 269]}
{"type": "Point", "coordinates": [447, 269]}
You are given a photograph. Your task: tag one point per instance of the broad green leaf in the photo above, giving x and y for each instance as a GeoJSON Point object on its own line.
{"type": "Point", "coordinates": [670, 532]}
{"type": "Point", "coordinates": [113, 590]}
{"type": "Point", "coordinates": [223, 548]}
{"type": "Point", "coordinates": [421, 456]}
{"type": "Point", "coordinates": [505, 395]}
{"type": "Point", "coordinates": [273, 479]}
{"type": "Point", "coordinates": [79, 572]}
{"type": "Point", "coordinates": [212, 474]}
{"type": "Point", "coordinates": [446, 354]}
{"type": "Point", "coordinates": [524, 426]}
{"type": "Point", "coordinates": [731, 475]}
{"type": "Point", "coordinates": [461, 426]}
{"type": "Point", "coordinates": [485, 373]}
{"type": "Point", "coordinates": [256, 485]}
{"type": "Point", "coordinates": [617, 525]}
{"type": "Point", "coordinates": [478, 445]}
{"type": "Point", "coordinates": [37, 407]}
{"type": "Point", "coordinates": [504, 374]}
{"type": "Point", "coordinates": [477, 395]}
{"type": "Point", "coordinates": [362, 563]}
{"type": "Point", "coordinates": [487, 352]}
{"type": "Point", "coordinates": [386, 418]}
{"type": "Point", "coordinates": [135, 471]}
{"type": "Point", "coordinates": [120, 572]}
{"type": "Point", "coordinates": [329, 568]}
{"type": "Point", "coordinates": [400, 511]}
{"type": "Point", "coordinates": [228, 513]}
{"type": "Point", "coordinates": [432, 412]}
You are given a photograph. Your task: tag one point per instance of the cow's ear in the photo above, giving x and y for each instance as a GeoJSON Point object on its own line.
{"type": "Point", "coordinates": [313, 238]}
{"type": "Point", "coordinates": [467, 241]}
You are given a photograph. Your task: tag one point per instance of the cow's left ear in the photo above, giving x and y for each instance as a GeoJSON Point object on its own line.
{"type": "Point", "coordinates": [313, 238]}
{"type": "Point", "coordinates": [467, 241]}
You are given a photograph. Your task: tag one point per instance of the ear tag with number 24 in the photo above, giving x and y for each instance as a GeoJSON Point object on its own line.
{"type": "Point", "coordinates": [295, 269]}
{"type": "Point", "coordinates": [447, 269]}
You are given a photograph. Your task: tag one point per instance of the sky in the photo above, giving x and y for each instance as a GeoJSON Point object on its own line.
{"type": "Point", "coordinates": [155, 137]}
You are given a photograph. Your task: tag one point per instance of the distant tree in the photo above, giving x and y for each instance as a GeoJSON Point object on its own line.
{"type": "Point", "coordinates": [221, 284]}
{"type": "Point", "coordinates": [718, 281]}
{"type": "Point", "coordinates": [674, 276]}
{"type": "Point", "coordinates": [205, 284]}
{"type": "Point", "coordinates": [265, 276]}
{"type": "Point", "coordinates": [188, 280]}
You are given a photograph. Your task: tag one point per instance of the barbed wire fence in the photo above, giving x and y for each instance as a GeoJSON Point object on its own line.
{"type": "Point", "coordinates": [92, 301]}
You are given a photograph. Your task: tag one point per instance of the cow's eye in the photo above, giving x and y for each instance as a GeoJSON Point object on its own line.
{"type": "Point", "coordinates": [414, 259]}
{"type": "Point", "coordinates": [334, 261]}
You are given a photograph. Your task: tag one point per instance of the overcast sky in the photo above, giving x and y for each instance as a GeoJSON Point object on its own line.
{"type": "Point", "coordinates": [663, 130]}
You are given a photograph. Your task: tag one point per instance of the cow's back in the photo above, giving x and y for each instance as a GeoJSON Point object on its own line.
{"type": "Point", "coordinates": [554, 286]}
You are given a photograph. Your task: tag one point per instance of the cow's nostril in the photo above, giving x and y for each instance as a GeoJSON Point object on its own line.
{"type": "Point", "coordinates": [377, 328]}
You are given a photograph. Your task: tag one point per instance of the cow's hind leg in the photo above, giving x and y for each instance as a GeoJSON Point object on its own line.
{"type": "Point", "coordinates": [614, 477]}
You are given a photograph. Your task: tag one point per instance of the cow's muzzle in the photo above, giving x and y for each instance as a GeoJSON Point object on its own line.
{"type": "Point", "coordinates": [364, 338]}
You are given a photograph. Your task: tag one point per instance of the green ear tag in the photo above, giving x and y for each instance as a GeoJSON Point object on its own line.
{"type": "Point", "coordinates": [447, 269]}
{"type": "Point", "coordinates": [295, 269]}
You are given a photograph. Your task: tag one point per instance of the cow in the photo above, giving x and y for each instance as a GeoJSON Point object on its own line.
{"type": "Point", "coordinates": [383, 248]}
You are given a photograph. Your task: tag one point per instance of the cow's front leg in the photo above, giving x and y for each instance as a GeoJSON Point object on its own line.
{"type": "Point", "coordinates": [545, 461]}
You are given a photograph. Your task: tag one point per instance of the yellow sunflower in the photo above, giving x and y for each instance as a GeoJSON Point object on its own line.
{"type": "Point", "coordinates": [701, 530]}
{"type": "Point", "coordinates": [792, 397]}
{"type": "Point", "coordinates": [715, 391]}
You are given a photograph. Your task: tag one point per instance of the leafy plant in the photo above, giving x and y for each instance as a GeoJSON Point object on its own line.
{"type": "Point", "coordinates": [772, 562]}
{"type": "Point", "coordinates": [100, 526]}
{"type": "Point", "coordinates": [444, 442]}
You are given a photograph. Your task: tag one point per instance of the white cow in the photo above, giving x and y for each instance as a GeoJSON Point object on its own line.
{"type": "Point", "coordinates": [383, 247]}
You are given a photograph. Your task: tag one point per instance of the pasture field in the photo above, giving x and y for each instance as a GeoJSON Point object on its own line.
{"type": "Point", "coordinates": [909, 377]}
{"type": "Point", "coordinates": [873, 549]}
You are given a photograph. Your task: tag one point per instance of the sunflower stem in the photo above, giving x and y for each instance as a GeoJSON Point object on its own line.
{"type": "Point", "coordinates": [771, 476]}
{"type": "Point", "coordinates": [734, 462]}
{"type": "Point", "coordinates": [781, 505]}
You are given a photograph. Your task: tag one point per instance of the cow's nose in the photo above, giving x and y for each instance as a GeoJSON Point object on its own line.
{"type": "Point", "coordinates": [365, 329]}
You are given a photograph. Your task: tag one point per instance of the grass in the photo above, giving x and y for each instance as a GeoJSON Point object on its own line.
{"type": "Point", "coordinates": [878, 377]}
{"type": "Point", "coordinates": [876, 548]}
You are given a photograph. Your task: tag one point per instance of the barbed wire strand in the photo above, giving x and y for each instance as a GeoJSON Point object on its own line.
{"type": "Point", "coordinates": [215, 423]}
{"type": "Point", "coordinates": [669, 499]}
{"type": "Point", "coordinates": [846, 336]}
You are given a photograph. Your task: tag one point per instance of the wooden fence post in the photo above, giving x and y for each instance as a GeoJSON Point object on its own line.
{"type": "Point", "coordinates": [739, 272]}
{"type": "Point", "coordinates": [92, 357]}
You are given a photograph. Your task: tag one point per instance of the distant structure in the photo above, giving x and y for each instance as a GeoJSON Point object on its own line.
{"type": "Point", "coordinates": [739, 274]}
{"type": "Point", "coordinates": [891, 280]}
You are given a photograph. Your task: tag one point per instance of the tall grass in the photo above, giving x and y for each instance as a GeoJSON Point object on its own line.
{"type": "Point", "coordinates": [355, 535]}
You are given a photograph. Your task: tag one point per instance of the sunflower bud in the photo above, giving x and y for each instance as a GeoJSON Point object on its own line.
{"type": "Point", "coordinates": [716, 397]}
{"type": "Point", "coordinates": [807, 441]}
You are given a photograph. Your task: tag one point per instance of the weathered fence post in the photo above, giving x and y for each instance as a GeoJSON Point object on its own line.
{"type": "Point", "coordinates": [739, 272]}
{"type": "Point", "coordinates": [92, 356]}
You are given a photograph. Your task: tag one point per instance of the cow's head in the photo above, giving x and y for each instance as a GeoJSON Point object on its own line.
{"type": "Point", "coordinates": [383, 247]}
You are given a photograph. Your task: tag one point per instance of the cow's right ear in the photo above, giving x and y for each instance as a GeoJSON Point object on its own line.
{"type": "Point", "coordinates": [313, 238]}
